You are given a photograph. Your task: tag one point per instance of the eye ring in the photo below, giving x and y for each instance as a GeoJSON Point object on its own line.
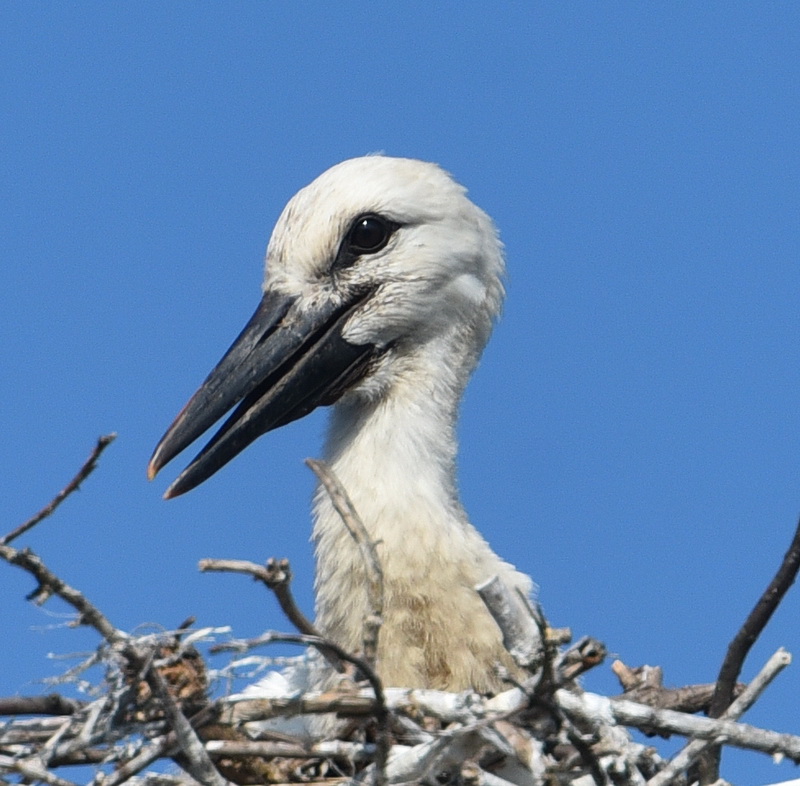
{"type": "Point", "coordinates": [368, 234]}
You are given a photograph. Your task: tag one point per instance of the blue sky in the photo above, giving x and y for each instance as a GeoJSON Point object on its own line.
{"type": "Point", "coordinates": [632, 436]}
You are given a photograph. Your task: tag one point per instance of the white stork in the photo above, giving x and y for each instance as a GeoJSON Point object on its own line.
{"type": "Point", "coordinates": [382, 283]}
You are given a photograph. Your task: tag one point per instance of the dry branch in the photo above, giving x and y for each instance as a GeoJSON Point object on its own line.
{"type": "Point", "coordinates": [521, 633]}
{"type": "Point", "coordinates": [594, 708]}
{"type": "Point", "coordinates": [686, 757]}
{"type": "Point", "coordinates": [276, 575]}
{"type": "Point", "coordinates": [88, 467]}
{"type": "Point", "coordinates": [197, 761]}
{"type": "Point", "coordinates": [52, 704]}
{"type": "Point", "coordinates": [152, 703]}
{"type": "Point", "coordinates": [644, 684]}
{"type": "Point", "coordinates": [372, 564]}
{"type": "Point", "coordinates": [740, 645]}
{"type": "Point", "coordinates": [380, 713]}
{"type": "Point", "coordinates": [50, 584]}
{"type": "Point", "coordinates": [753, 625]}
{"type": "Point", "coordinates": [468, 712]}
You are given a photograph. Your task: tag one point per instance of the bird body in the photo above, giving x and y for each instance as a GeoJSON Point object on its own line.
{"type": "Point", "coordinates": [382, 284]}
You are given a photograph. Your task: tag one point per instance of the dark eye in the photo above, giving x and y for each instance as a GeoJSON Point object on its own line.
{"type": "Point", "coordinates": [369, 234]}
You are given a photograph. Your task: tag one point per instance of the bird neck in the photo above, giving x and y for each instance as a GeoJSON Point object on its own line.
{"type": "Point", "coordinates": [396, 452]}
{"type": "Point", "coordinates": [395, 457]}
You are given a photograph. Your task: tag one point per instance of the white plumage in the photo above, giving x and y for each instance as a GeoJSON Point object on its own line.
{"type": "Point", "coordinates": [383, 274]}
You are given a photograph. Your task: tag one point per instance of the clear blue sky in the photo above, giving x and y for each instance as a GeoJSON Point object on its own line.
{"type": "Point", "coordinates": [632, 437]}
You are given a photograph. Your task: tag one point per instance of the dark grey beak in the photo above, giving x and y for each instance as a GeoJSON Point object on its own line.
{"type": "Point", "coordinates": [286, 362]}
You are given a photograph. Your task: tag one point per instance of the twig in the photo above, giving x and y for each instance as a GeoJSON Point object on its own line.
{"type": "Point", "coordinates": [344, 507]}
{"type": "Point", "coordinates": [153, 751]}
{"type": "Point", "coordinates": [443, 753]}
{"type": "Point", "coordinates": [197, 762]}
{"type": "Point", "coordinates": [684, 758]}
{"type": "Point", "coordinates": [354, 751]}
{"type": "Point", "coordinates": [52, 704]}
{"type": "Point", "coordinates": [318, 643]}
{"type": "Point", "coordinates": [157, 748]}
{"type": "Point", "coordinates": [73, 485]}
{"type": "Point", "coordinates": [744, 640]}
{"type": "Point", "coordinates": [347, 705]}
{"type": "Point", "coordinates": [50, 584]}
{"type": "Point", "coordinates": [583, 655]}
{"type": "Point", "coordinates": [88, 731]}
{"type": "Point", "coordinates": [645, 685]}
{"type": "Point", "coordinates": [463, 708]}
{"type": "Point", "coordinates": [591, 707]}
{"type": "Point", "coordinates": [382, 716]}
{"type": "Point", "coordinates": [31, 769]}
{"type": "Point", "coordinates": [163, 779]}
{"type": "Point", "coordinates": [521, 635]}
{"type": "Point", "coordinates": [89, 614]}
{"type": "Point", "coordinates": [276, 575]}
{"type": "Point", "coordinates": [754, 624]}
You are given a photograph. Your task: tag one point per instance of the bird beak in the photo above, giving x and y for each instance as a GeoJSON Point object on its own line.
{"type": "Point", "coordinates": [289, 359]}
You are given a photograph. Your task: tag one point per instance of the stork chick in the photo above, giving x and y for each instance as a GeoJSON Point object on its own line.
{"type": "Point", "coordinates": [382, 283]}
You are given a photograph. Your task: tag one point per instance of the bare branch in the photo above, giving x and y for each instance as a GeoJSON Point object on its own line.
{"type": "Point", "coordinates": [382, 715]}
{"type": "Point", "coordinates": [754, 624]}
{"type": "Point", "coordinates": [744, 640]}
{"type": "Point", "coordinates": [684, 758]}
{"type": "Point", "coordinates": [152, 683]}
{"type": "Point", "coordinates": [33, 770]}
{"type": "Point", "coordinates": [50, 584]}
{"type": "Point", "coordinates": [589, 707]}
{"type": "Point", "coordinates": [354, 751]}
{"type": "Point", "coordinates": [52, 704]}
{"type": "Point", "coordinates": [521, 635]}
{"type": "Point", "coordinates": [276, 575]}
{"type": "Point", "coordinates": [197, 762]}
{"type": "Point", "coordinates": [464, 708]}
{"type": "Point", "coordinates": [345, 705]}
{"type": "Point", "coordinates": [73, 485]}
{"type": "Point", "coordinates": [369, 553]}
{"type": "Point", "coordinates": [156, 749]}
{"type": "Point", "coordinates": [644, 684]}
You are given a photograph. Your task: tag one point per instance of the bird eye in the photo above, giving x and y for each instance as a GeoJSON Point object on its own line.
{"type": "Point", "coordinates": [369, 234]}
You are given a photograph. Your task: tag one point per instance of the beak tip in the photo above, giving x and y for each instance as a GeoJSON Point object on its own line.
{"type": "Point", "coordinates": [156, 464]}
{"type": "Point", "coordinates": [170, 492]}
{"type": "Point", "coordinates": [177, 487]}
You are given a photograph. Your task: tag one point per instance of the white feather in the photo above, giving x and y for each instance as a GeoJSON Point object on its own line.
{"type": "Point", "coordinates": [392, 440]}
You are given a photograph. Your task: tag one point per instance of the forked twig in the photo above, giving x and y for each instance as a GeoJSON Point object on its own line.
{"type": "Point", "coordinates": [276, 575]}
{"type": "Point", "coordinates": [83, 473]}
{"type": "Point", "coordinates": [684, 758]}
{"type": "Point", "coordinates": [742, 642]}
{"type": "Point", "coordinates": [50, 584]}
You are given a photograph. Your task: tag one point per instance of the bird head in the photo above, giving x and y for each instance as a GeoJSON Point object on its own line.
{"type": "Point", "coordinates": [367, 265]}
